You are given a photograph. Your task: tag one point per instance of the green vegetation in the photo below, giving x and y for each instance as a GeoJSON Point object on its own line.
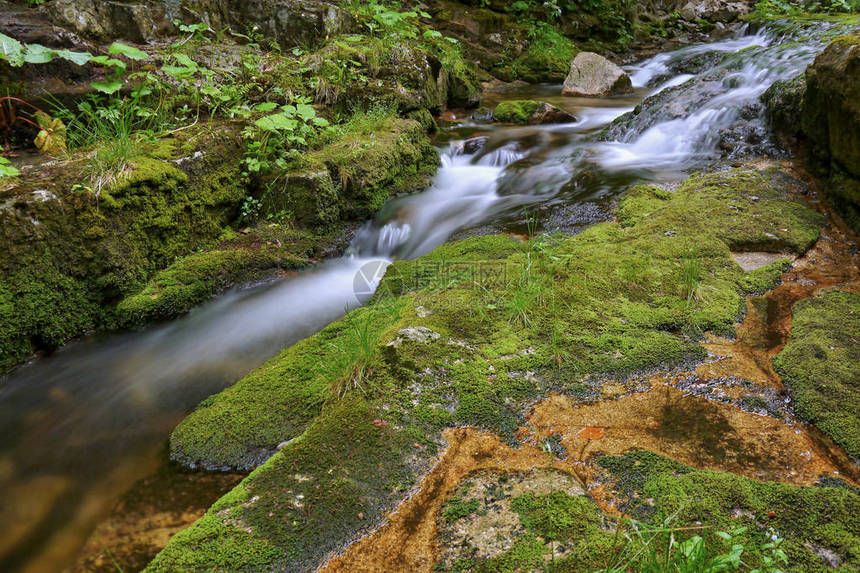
{"type": "Point", "coordinates": [547, 56]}
{"type": "Point", "coordinates": [775, 8]}
{"type": "Point", "coordinates": [62, 274]}
{"type": "Point", "coordinates": [284, 151]}
{"type": "Point", "coordinates": [811, 521]}
{"type": "Point", "coordinates": [455, 349]}
{"type": "Point", "coordinates": [455, 508]}
{"type": "Point", "coordinates": [560, 532]}
{"type": "Point", "coordinates": [819, 366]}
{"type": "Point", "coordinates": [196, 277]}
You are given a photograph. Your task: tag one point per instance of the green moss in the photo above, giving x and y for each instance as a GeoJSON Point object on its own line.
{"type": "Point", "coordinates": [335, 479]}
{"type": "Point", "coordinates": [553, 522]}
{"type": "Point", "coordinates": [546, 58]}
{"type": "Point", "coordinates": [558, 515]}
{"type": "Point", "coordinates": [765, 278]}
{"type": "Point", "coordinates": [360, 72]}
{"type": "Point", "coordinates": [471, 334]}
{"type": "Point", "coordinates": [195, 278]}
{"type": "Point", "coordinates": [455, 508]}
{"type": "Point", "coordinates": [371, 157]}
{"type": "Point", "coordinates": [67, 259]}
{"type": "Point", "coordinates": [241, 426]}
{"type": "Point", "coordinates": [812, 520]}
{"type": "Point", "coordinates": [819, 365]}
{"type": "Point", "coordinates": [515, 111]}
{"type": "Point", "coordinates": [369, 165]}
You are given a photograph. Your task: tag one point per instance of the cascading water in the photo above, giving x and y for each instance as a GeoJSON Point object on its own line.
{"type": "Point", "coordinates": [69, 420]}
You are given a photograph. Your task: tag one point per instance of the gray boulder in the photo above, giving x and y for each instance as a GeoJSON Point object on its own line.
{"type": "Point", "coordinates": [592, 75]}
{"type": "Point", "coordinates": [289, 22]}
{"type": "Point", "coordinates": [713, 10]}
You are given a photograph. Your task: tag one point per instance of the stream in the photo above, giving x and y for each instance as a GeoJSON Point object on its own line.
{"type": "Point", "coordinates": [77, 428]}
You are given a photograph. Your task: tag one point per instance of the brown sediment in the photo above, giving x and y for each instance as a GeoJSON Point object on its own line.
{"type": "Point", "coordinates": [407, 542]}
{"type": "Point", "coordinates": [832, 262]}
{"type": "Point", "coordinates": [695, 431]}
{"type": "Point", "coordinates": [147, 516]}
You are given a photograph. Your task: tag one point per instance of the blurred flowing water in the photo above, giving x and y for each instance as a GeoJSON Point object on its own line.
{"type": "Point", "coordinates": [79, 427]}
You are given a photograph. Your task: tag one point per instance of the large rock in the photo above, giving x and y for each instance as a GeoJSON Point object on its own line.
{"type": "Point", "coordinates": [592, 75]}
{"type": "Point", "coordinates": [289, 22]}
{"type": "Point", "coordinates": [831, 116]}
{"type": "Point", "coordinates": [831, 121]}
{"type": "Point", "coordinates": [714, 10]}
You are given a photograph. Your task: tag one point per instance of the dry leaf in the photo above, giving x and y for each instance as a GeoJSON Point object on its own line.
{"type": "Point", "coordinates": [592, 433]}
{"type": "Point", "coordinates": [52, 137]}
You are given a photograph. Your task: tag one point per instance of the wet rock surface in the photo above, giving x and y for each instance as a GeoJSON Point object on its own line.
{"type": "Point", "coordinates": [289, 22]}
{"type": "Point", "coordinates": [592, 75]}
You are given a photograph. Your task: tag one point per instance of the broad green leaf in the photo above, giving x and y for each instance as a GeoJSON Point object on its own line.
{"type": "Point", "coordinates": [130, 52]}
{"type": "Point", "coordinates": [276, 122]}
{"type": "Point", "coordinates": [52, 137]}
{"type": "Point", "coordinates": [11, 50]}
{"type": "Point", "coordinates": [119, 65]}
{"type": "Point", "coordinates": [184, 60]}
{"type": "Point", "coordinates": [79, 58]}
{"type": "Point", "coordinates": [110, 86]}
{"type": "Point", "coordinates": [38, 54]}
{"type": "Point", "coordinates": [266, 107]}
{"type": "Point", "coordinates": [320, 121]}
{"type": "Point", "coordinates": [305, 111]}
{"type": "Point", "coordinates": [6, 169]}
{"type": "Point", "coordinates": [178, 72]}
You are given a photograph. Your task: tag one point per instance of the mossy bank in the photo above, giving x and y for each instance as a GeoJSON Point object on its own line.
{"type": "Point", "coordinates": [449, 346]}
{"type": "Point", "coordinates": [164, 235]}
{"type": "Point", "coordinates": [819, 365]}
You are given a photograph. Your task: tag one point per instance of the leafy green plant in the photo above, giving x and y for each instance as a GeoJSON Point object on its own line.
{"type": "Point", "coordinates": [51, 136]}
{"type": "Point", "coordinates": [772, 8]}
{"type": "Point", "coordinates": [6, 168]}
{"type": "Point", "coordinates": [17, 54]}
{"type": "Point", "coordinates": [250, 209]}
{"type": "Point", "coordinates": [661, 548]}
{"type": "Point", "coordinates": [285, 129]}
{"type": "Point", "coordinates": [774, 557]}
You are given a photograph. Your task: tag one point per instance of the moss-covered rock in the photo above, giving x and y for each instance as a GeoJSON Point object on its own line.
{"type": "Point", "coordinates": [530, 112]}
{"type": "Point", "coordinates": [820, 526]}
{"type": "Point", "coordinates": [361, 72]}
{"type": "Point", "coordinates": [831, 120]}
{"type": "Point", "coordinates": [784, 106]}
{"type": "Point", "coordinates": [820, 366]}
{"type": "Point", "coordinates": [831, 115]}
{"type": "Point", "coordinates": [371, 157]}
{"type": "Point", "coordinates": [193, 279]}
{"type": "Point", "coordinates": [68, 255]}
{"type": "Point", "coordinates": [475, 333]}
